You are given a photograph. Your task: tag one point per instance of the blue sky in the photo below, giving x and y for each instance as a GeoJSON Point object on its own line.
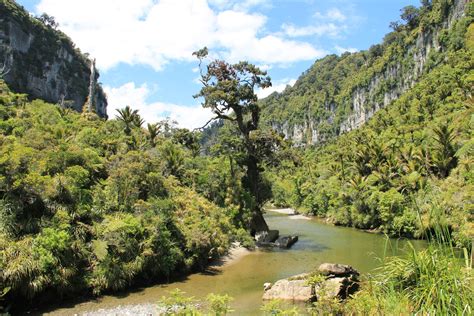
{"type": "Point", "coordinates": [143, 47]}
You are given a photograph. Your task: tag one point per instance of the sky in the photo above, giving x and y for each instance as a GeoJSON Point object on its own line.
{"type": "Point", "coordinates": [144, 48]}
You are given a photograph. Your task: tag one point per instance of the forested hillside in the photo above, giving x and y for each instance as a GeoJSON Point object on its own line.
{"type": "Point", "coordinates": [410, 165]}
{"type": "Point", "coordinates": [340, 93]}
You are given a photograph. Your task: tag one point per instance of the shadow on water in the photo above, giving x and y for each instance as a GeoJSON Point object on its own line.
{"type": "Point", "coordinates": [211, 271]}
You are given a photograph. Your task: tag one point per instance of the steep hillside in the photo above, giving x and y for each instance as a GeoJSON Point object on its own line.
{"type": "Point", "coordinates": [409, 168]}
{"type": "Point", "coordinates": [43, 62]}
{"type": "Point", "coordinates": [339, 94]}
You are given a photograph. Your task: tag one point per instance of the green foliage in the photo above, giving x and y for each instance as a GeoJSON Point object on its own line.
{"type": "Point", "coordinates": [178, 304]}
{"type": "Point", "coordinates": [219, 304]}
{"type": "Point", "coordinates": [88, 205]}
{"type": "Point", "coordinates": [430, 281]}
{"type": "Point", "coordinates": [325, 96]}
{"type": "Point", "coordinates": [228, 91]}
{"type": "Point", "coordinates": [277, 308]}
{"type": "Point", "coordinates": [97, 206]}
{"type": "Point", "coordinates": [130, 118]}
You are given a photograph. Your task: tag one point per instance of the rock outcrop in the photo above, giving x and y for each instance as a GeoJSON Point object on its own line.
{"type": "Point", "coordinates": [329, 282]}
{"type": "Point", "coordinates": [43, 62]}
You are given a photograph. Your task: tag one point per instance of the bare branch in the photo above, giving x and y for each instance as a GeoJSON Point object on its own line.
{"type": "Point", "coordinates": [4, 70]}
{"type": "Point", "coordinates": [207, 123]}
{"type": "Point", "coordinates": [225, 117]}
{"type": "Point", "coordinates": [218, 116]}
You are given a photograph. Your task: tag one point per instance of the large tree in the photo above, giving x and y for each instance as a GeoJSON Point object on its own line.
{"type": "Point", "coordinates": [229, 92]}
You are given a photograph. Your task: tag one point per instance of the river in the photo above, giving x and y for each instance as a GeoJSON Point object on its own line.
{"type": "Point", "coordinates": [244, 278]}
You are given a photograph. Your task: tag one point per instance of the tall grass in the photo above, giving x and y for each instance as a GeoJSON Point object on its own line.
{"type": "Point", "coordinates": [437, 280]}
{"type": "Point", "coordinates": [434, 280]}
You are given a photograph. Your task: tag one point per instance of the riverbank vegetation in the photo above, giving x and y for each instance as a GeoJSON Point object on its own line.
{"type": "Point", "coordinates": [92, 206]}
{"type": "Point", "coordinates": [435, 280]}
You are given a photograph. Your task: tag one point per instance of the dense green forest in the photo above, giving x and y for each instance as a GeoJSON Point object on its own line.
{"type": "Point", "coordinates": [94, 205]}
{"type": "Point", "coordinates": [411, 161]}
{"type": "Point", "coordinates": [90, 206]}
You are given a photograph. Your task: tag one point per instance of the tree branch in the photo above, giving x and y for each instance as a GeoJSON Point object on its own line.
{"type": "Point", "coordinates": [218, 116]}
{"type": "Point", "coordinates": [207, 123]}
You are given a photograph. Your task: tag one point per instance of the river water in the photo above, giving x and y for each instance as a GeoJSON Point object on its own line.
{"type": "Point", "coordinates": [244, 279]}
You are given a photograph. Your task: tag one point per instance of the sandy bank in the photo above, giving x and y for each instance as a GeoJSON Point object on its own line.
{"type": "Point", "coordinates": [236, 252]}
{"type": "Point", "coordinates": [287, 211]}
{"type": "Point", "coordinates": [299, 216]}
{"type": "Point", "coordinates": [293, 214]}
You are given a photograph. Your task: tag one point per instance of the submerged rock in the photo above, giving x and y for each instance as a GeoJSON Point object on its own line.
{"type": "Point", "coordinates": [286, 241]}
{"type": "Point", "coordinates": [337, 281]}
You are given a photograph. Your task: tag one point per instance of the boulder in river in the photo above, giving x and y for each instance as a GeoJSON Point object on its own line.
{"type": "Point", "coordinates": [329, 282]}
{"type": "Point", "coordinates": [269, 236]}
{"type": "Point", "coordinates": [294, 289]}
{"type": "Point", "coordinates": [286, 241]}
{"type": "Point", "coordinates": [335, 287]}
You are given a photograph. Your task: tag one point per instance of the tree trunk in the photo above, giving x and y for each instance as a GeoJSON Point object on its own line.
{"type": "Point", "coordinates": [257, 222]}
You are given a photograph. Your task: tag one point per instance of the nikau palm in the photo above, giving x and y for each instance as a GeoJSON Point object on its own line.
{"type": "Point", "coordinates": [130, 118]}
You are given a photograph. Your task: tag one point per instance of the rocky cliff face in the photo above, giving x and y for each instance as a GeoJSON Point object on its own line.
{"type": "Point", "coordinates": [43, 62]}
{"type": "Point", "coordinates": [346, 112]}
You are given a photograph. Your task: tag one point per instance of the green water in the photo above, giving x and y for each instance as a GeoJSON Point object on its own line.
{"type": "Point", "coordinates": [244, 279]}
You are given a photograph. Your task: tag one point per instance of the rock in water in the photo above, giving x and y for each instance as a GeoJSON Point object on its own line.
{"type": "Point", "coordinates": [286, 241]}
{"type": "Point", "coordinates": [263, 237]}
{"type": "Point", "coordinates": [339, 281]}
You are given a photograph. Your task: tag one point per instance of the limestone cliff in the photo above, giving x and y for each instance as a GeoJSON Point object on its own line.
{"type": "Point", "coordinates": [43, 62]}
{"type": "Point", "coordinates": [339, 94]}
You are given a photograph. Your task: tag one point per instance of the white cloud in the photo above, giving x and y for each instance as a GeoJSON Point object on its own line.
{"type": "Point", "coordinates": [238, 5]}
{"type": "Point", "coordinates": [329, 29]}
{"type": "Point", "coordinates": [341, 50]}
{"type": "Point", "coordinates": [264, 67]}
{"type": "Point", "coordinates": [278, 86]}
{"type": "Point", "coordinates": [332, 23]}
{"type": "Point", "coordinates": [248, 4]}
{"type": "Point", "coordinates": [155, 33]}
{"type": "Point", "coordinates": [136, 97]}
{"type": "Point", "coordinates": [187, 116]}
{"type": "Point", "coordinates": [333, 14]}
